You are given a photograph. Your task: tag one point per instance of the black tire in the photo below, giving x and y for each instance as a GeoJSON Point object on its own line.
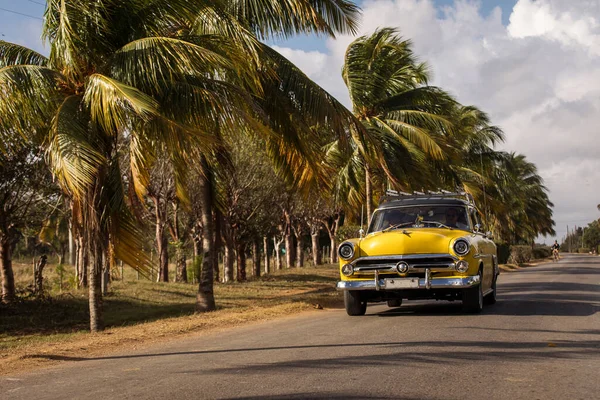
{"type": "Point", "coordinates": [354, 304]}
{"type": "Point", "coordinates": [491, 297]}
{"type": "Point", "coordinates": [394, 303]}
{"type": "Point", "coordinates": [472, 298]}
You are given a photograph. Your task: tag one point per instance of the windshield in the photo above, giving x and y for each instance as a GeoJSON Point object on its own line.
{"type": "Point", "coordinates": [420, 216]}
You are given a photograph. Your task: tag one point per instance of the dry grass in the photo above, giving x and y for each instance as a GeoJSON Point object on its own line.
{"type": "Point", "coordinates": [43, 332]}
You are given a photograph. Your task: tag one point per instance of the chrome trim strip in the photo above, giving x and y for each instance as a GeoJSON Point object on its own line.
{"type": "Point", "coordinates": [404, 257]}
{"type": "Point", "coordinates": [435, 283]}
{"type": "Point", "coordinates": [479, 255]}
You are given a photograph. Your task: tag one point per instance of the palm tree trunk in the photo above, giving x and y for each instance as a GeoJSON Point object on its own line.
{"type": "Point", "coordinates": [368, 192]}
{"type": "Point", "coordinates": [256, 257]}
{"type": "Point", "coordinates": [229, 256]}
{"type": "Point", "coordinates": [82, 262]}
{"type": "Point", "coordinates": [8, 277]}
{"type": "Point", "coordinates": [161, 244]}
{"type": "Point", "coordinates": [316, 254]}
{"type": "Point", "coordinates": [240, 249]}
{"type": "Point", "coordinates": [181, 266]}
{"type": "Point", "coordinates": [95, 290]}
{"type": "Point", "coordinates": [205, 298]}
{"type": "Point", "coordinates": [266, 250]}
{"type": "Point", "coordinates": [289, 249]}
{"type": "Point", "coordinates": [299, 251]}
{"type": "Point", "coordinates": [217, 238]}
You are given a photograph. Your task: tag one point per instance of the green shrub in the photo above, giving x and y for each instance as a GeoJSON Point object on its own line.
{"type": "Point", "coordinates": [503, 250]}
{"type": "Point", "coordinates": [348, 232]}
{"type": "Point", "coordinates": [541, 252]}
{"type": "Point", "coordinates": [520, 254]}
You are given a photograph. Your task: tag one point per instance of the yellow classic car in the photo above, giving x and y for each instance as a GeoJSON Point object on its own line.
{"type": "Point", "coordinates": [420, 246]}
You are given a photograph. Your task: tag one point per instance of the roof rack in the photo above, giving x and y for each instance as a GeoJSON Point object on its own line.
{"type": "Point", "coordinates": [391, 195]}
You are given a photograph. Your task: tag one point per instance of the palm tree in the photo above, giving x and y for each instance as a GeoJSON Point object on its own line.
{"type": "Point", "coordinates": [117, 71]}
{"type": "Point", "coordinates": [402, 115]}
{"type": "Point", "coordinates": [526, 210]}
{"type": "Point", "coordinates": [159, 74]}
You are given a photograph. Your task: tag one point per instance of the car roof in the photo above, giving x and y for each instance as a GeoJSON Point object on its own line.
{"type": "Point", "coordinates": [423, 201]}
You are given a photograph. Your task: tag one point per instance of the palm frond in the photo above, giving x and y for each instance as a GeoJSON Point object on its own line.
{"type": "Point", "coordinates": [110, 100]}
{"type": "Point", "coordinates": [72, 152]}
{"type": "Point", "coordinates": [282, 19]}
{"type": "Point", "coordinates": [153, 63]}
{"type": "Point", "coordinates": [14, 54]}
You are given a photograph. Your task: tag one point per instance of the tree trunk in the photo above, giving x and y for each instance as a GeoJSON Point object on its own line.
{"type": "Point", "coordinates": [39, 276]}
{"type": "Point", "coordinates": [181, 263]}
{"type": "Point", "coordinates": [289, 249]}
{"type": "Point", "coordinates": [217, 238]}
{"type": "Point", "coordinates": [240, 249]}
{"type": "Point", "coordinates": [82, 262]}
{"type": "Point", "coordinates": [368, 192]}
{"type": "Point", "coordinates": [299, 251]}
{"type": "Point", "coordinates": [161, 244]}
{"type": "Point", "coordinates": [316, 253]}
{"type": "Point", "coordinates": [72, 251]}
{"type": "Point", "coordinates": [95, 289]}
{"type": "Point", "coordinates": [205, 298]}
{"type": "Point", "coordinates": [8, 277]}
{"type": "Point", "coordinates": [256, 257]}
{"type": "Point", "coordinates": [333, 249]}
{"type": "Point", "coordinates": [228, 259]}
{"type": "Point", "coordinates": [266, 250]}
{"type": "Point", "coordinates": [277, 245]}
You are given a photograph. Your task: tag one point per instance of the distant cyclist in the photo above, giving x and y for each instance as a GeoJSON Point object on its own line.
{"type": "Point", "coordinates": [555, 248]}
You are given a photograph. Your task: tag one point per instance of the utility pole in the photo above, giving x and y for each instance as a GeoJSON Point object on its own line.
{"type": "Point", "coordinates": [568, 239]}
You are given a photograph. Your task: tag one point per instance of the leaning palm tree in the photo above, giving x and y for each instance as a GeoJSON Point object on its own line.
{"type": "Point", "coordinates": [158, 74]}
{"type": "Point", "coordinates": [117, 71]}
{"type": "Point", "coordinates": [404, 117]}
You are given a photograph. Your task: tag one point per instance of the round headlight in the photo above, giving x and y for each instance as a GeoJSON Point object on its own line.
{"type": "Point", "coordinates": [462, 266]}
{"type": "Point", "coordinates": [402, 267]}
{"type": "Point", "coordinates": [347, 270]}
{"type": "Point", "coordinates": [346, 251]}
{"type": "Point", "coordinates": [461, 247]}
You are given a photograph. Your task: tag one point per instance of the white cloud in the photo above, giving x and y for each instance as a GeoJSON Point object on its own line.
{"type": "Point", "coordinates": [538, 78]}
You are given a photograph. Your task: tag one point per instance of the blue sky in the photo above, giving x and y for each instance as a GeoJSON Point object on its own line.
{"type": "Point", "coordinates": [316, 43]}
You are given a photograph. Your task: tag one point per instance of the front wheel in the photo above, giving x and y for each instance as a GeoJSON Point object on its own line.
{"type": "Point", "coordinates": [353, 303]}
{"type": "Point", "coordinates": [472, 298]}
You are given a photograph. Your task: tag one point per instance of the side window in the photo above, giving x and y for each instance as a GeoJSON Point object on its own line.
{"type": "Point", "coordinates": [475, 219]}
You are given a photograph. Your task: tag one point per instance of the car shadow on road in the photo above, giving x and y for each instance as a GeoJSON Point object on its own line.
{"type": "Point", "coordinates": [518, 299]}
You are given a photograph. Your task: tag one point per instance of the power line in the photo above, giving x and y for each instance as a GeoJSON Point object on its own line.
{"type": "Point", "coordinates": [25, 15]}
{"type": "Point", "coordinates": [37, 2]}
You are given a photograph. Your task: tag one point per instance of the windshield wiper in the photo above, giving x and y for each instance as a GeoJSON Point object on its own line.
{"type": "Point", "coordinates": [437, 223]}
{"type": "Point", "coordinates": [397, 226]}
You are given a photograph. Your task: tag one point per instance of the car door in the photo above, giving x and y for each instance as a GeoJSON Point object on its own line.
{"type": "Point", "coordinates": [485, 247]}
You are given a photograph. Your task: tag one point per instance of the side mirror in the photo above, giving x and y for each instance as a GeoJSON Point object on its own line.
{"type": "Point", "coordinates": [488, 234]}
{"type": "Point", "coordinates": [361, 232]}
{"type": "Point", "coordinates": [477, 228]}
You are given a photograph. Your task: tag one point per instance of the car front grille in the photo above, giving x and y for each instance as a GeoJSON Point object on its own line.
{"type": "Point", "coordinates": [417, 262]}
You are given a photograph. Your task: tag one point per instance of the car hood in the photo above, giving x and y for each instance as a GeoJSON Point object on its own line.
{"type": "Point", "coordinates": [409, 241]}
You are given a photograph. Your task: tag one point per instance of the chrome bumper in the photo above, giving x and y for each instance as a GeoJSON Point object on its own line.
{"type": "Point", "coordinates": [423, 283]}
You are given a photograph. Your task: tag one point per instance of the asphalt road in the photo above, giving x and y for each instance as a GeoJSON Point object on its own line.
{"type": "Point", "coordinates": [540, 341]}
